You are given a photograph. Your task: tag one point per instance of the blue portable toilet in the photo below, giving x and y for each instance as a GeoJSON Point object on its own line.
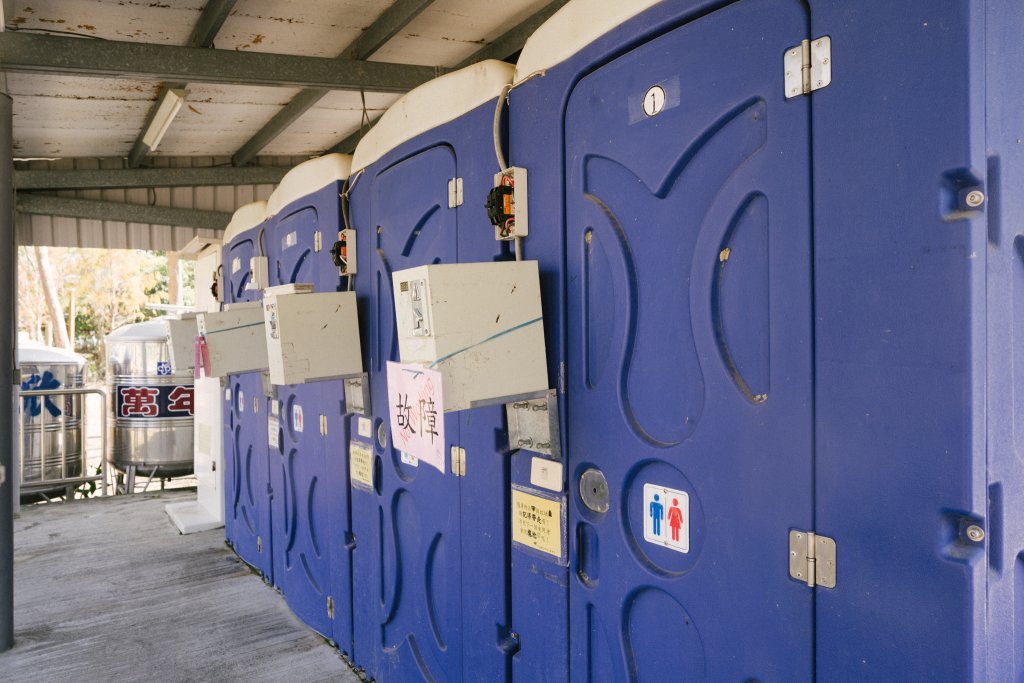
{"type": "Point", "coordinates": [430, 567]}
{"type": "Point", "coordinates": [247, 509]}
{"type": "Point", "coordinates": [787, 336]}
{"type": "Point", "coordinates": [307, 430]}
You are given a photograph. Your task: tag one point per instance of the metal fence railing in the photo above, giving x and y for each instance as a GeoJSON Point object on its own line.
{"type": "Point", "coordinates": [72, 466]}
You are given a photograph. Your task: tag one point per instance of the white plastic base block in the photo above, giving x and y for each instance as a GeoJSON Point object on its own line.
{"type": "Point", "coordinates": [190, 517]}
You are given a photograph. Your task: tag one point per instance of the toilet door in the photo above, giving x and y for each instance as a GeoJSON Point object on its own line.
{"type": "Point", "coordinates": [689, 404]}
{"type": "Point", "coordinates": [408, 560]}
{"type": "Point", "coordinates": [302, 496]}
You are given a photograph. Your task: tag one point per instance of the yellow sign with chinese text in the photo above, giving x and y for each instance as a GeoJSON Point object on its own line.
{"type": "Point", "coordinates": [537, 522]}
{"type": "Point", "coordinates": [360, 459]}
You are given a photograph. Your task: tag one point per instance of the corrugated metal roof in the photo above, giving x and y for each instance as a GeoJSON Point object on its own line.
{"type": "Point", "coordinates": [218, 119]}
{"type": "Point", "coordinates": [76, 116]}
{"type": "Point", "coordinates": [75, 232]}
{"type": "Point", "coordinates": [152, 22]}
{"type": "Point", "coordinates": [449, 31]}
{"type": "Point", "coordinates": [93, 117]}
{"type": "Point", "coordinates": [315, 28]}
{"type": "Point", "coordinates": [334, 117]}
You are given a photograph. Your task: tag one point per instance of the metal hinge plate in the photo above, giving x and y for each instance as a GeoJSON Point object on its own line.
{"type": "Point", "coordinates": [323, 425]}
{"type": "Point", "coordinates": [812, 558]}
{"type": "Point", "coordinates": [533, 425]}
{"type": "Point", "coordinates": [458, 461]}
{"type": "Point", "coordinates": [454, 193]}
{"type": "Point", "coordinates": [330, 607]}
{"type": "Point", "coordinates": [808, 66]}
{"type": "Point", "coordinates": [318, 241]}
{"type": "Point", "coordinates": [357, 395]}
{"type": "Point", "coordinates": [259, 544]}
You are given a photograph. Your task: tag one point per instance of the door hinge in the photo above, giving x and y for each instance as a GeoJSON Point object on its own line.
{"type": "Point", "coordinates": [318, 241]}
{"type": "Point", "coordinates": [259, 544]}
{"type": "Point", "coordinates": [812, 558]}
{"type": "Point", "coordinates": [458, 461]}
{"type": "Point", "coordinates": [323, 425]}
{"type": "Point", "coordinates": [454, 193]}
{"type": "Point", "coordinates": [808, 66]}
{"type": "Point", "coordinates": [330, 607]}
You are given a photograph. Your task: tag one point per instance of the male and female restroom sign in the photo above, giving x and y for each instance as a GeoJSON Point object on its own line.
{"type": "Point", "coordinates": [667, 517]}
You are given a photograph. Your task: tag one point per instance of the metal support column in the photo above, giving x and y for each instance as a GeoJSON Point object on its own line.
{"type": "Point", "coordinates": [8, 332]}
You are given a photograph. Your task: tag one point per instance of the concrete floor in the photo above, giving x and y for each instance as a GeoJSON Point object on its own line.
{"type": "Point", "coordinates": [107, 590]}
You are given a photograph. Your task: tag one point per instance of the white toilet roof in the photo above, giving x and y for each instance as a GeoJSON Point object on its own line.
{"type": "Point", "coordinates": [308, 177]}
{"type": "Point", "coordinates": [245, 217]}
{"type": "Point", "coordinates": [430, 105]}
{"type": "Point", "coordinates": [577, 24]}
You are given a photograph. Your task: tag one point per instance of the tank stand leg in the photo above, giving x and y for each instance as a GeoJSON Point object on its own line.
{"type": "Point", "coordinates": [150, 480]}
{"type": "Point", "coordinates": [129, 479]}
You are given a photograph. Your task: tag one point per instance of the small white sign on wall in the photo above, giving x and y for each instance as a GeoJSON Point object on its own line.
{"type": "Point", "coordinates": [667, 517]}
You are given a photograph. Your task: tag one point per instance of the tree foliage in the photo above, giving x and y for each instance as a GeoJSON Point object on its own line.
{"type": "Point", "coordinates": [111, 288]}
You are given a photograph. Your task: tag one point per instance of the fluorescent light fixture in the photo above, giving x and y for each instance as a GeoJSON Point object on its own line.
{"type": "Point", "coordinates": [166, 109]}
{"type": "Point", "coordinates": [197, 245]}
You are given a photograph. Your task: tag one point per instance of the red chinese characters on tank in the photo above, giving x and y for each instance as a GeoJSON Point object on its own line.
{"type": "Point", "coordinates": [139, 402]}
{"type": "Point", "coordinates": [180, 400]}
{"type": "Point", "coordinates": [155, 402]}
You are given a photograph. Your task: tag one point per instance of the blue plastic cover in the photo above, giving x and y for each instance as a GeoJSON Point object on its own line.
{"type": "Point", "coordinates": [309, 471]}
{"type": "Point", "coordinates": [431, 565]}
{"type": "Point", "coordinates": [247, 507]}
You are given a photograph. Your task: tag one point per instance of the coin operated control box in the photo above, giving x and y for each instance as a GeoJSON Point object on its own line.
{"type": "Point", "coordinates": [311, 335]}
{"type": "Point", "coordinates": [181, 341]}
{"type": "Point", "coordinates": [479, 324]}
{"type": "Point", "coordinates": [234, 340]}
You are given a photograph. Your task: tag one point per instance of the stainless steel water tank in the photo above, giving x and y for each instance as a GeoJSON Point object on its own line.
{"type": "Point", "coordinates": [52, 430]}
{"type": "Point", "coordinates": [152, 406]}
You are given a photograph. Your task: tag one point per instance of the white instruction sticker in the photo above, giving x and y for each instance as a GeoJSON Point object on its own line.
{"type": "Point", "coordinates": [297, 420]}
{"type": "Point", "coordinates": [236, 265]}
{"type": "Point", "coordinates": [410, 459]}
{"type": "Point", "coordinates": [274, 431]}
{"type": "Point", "coordinates": [547, 474]}
{"type": "Point", "coordinates": [364, 426]}
{"type": "Point", "coordinates": [241, 401]}
{"type": "Point", "coordinates": [667, 517]}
